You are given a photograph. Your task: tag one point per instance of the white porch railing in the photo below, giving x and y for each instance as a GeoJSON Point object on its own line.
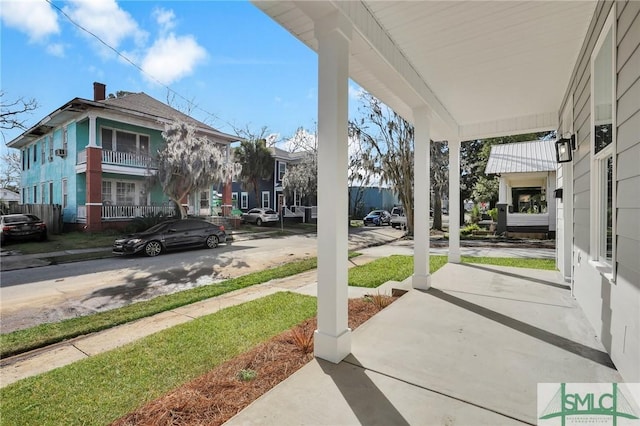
{"type": "Point", "coordinates": [528, 219]}
{"type": "Point", "coordinates": [128, 212]}
{"type": "Point", "coordinates": [129, 159]}
{"type": "Point", "coordinates": [289, 213]}
{"type": "Point", "coordinates": [125, 212]}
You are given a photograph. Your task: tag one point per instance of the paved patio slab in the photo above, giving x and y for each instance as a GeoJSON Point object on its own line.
{"type": "Point", "coordinates": [483, 337]}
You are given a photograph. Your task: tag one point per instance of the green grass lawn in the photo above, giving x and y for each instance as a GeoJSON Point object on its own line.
{"type": "Point", "coordinates": [399, 267]}
{"type": "Point", "coordinates": [105, 387]}
{"type": "Point", "coordinates": [46, 334]}
{"type": "Point", "coordinates": [67, 241]}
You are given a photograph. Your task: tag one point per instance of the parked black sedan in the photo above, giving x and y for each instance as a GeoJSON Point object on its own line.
{"type": "Point", "coordinates": [22, 227]}
{"type": "Point", "coordinates": [171, 235]}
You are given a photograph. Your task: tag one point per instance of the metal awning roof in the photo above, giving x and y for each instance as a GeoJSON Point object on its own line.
{"type": "Point", "coordinates": [522, 157]}
{"type": "Point", "coordinates": [484, 68]}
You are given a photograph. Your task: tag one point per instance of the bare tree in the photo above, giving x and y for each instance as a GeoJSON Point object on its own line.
{"type": "Point", "coordinates": [10, 171]}
{"type": "Point", "coordinates": [12, 112]}
{"type": "Point", "coordinates": [188, 162]}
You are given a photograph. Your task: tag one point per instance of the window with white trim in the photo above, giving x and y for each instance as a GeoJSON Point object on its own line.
{"type": "Point", "coordinates": [43, 146]}
{"type": "Point", "coordinates": [43, 188]}
{"type": "Point", "coordinates": [65, 138]}
{"type": "Point", "coordinates": [282, 169]}
{"type": "Point", "coordinates": [204, 199]}
{"type": "Point", "coordinates": [65, 196]}
{"type": "Point", "coordinates": [234, 200]}
{"type": "Point", "coordinates": [106, 192]}
{"type": "Point", "coordinates": [125, 193]}
{"type": "Point", "coordinates": [49, 140]}
{"type": "Point", "coordinates": [265, 199]}
{"type": "Point", "coordinates": [603, 143]}
{"type": "Point", "coordinates": [244, 200]}
{"type": "Point", "coordinates": [121, 141]}
{"type": "Point", "coordinates": [35, 194]}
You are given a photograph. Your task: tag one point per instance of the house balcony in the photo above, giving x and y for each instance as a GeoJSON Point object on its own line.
{"type": "Point", "coordinates": [126, 212]}
{"type": "Point", "coordinates": [120, 162]}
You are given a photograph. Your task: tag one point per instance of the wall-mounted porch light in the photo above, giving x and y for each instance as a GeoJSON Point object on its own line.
{"type": "Point", "coordinates": [564, 149]}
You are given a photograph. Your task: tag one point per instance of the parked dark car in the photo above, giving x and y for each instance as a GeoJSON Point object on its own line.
{"type": "Point", "coordinates": [260, 216]}
{"type": "Point", "coordinates": [377, 218]}
{"type": "Point", "coordinates": [22, 227]}
{"type": "Point", "coordinates": [171, 235]}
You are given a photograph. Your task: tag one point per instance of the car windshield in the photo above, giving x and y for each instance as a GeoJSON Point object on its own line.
{"type": "Point", "coordinates": [15, 219]}
{"type": "Point", "coordinates": [158, 227]}
{"type": "Point", "coordinates": [375, 213]}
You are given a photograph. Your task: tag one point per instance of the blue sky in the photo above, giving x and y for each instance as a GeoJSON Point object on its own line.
{"type": "Point", "coordinates": [229, 58]}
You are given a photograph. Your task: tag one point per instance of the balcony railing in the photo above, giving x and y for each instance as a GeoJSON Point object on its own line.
{"type": "Point", "coordinates": [129, 159]}
{"type": "Point", "coordinates": [127, 211]}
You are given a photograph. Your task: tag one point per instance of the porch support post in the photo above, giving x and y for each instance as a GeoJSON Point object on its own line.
{"type": "Point", "coordinates": [92, 131]}
{"type": "Point", "coordinates": [332, 339]}
{"type": "Point", "coordinates": [93, 201]}
{"type": "Point", "coordinates": [454, 201]}
{"type": "Point", "coordinates": [422, 198]}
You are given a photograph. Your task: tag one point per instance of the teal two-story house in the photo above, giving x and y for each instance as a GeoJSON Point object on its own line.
{"type": "Point", "coordinates": [94, 158]}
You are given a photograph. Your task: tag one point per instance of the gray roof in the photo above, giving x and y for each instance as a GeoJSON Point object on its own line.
{"type": "Point", "coordinates": [286, 155]}
{"type": "Point", "coordinates": [522, 157]}
{"type": "Point", "coordinates": [136, 104]}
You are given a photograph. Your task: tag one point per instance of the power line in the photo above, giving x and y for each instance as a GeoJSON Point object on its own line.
{"type": "Point", "coordinates": [129, 61]}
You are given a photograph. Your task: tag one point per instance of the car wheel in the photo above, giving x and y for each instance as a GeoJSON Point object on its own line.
{"type": "Point", "coordinates": [259, 222]}
{"type": "Point", "coordinates": [212, 241]}
{"type": "Point", "coordinates": [153, 248]}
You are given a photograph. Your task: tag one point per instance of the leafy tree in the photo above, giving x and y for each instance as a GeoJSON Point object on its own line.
{"type": "Point", "coordinates": [387, 149]}
{"type": "Point", "coordinates": [257, 162]}
{"type": "Point", "coordinates": [189, 162]}
{"type": "Point", "coordinates": [439, 179]}
{"type": "Point", "coordinates": [10, 171]}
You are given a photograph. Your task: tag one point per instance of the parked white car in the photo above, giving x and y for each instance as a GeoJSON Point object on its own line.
{"type": "Point", "coordinates": [260, 216]}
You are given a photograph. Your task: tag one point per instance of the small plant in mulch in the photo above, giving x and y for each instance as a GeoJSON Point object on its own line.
{"type": "Point", "coordinates": [247, 374]}
{"type": "Point", "coordinates": [380, 301]}
{"type": "Point", "coordinates": [302, 338]}
{"type": "Point", "coordinates": [215, 397]}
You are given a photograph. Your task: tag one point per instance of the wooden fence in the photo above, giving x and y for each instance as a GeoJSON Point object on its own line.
{"type": "Point", "coordinates": [51, 214]}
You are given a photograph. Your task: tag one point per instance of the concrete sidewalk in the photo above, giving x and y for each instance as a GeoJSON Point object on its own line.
{"type": "Point", "coordinates": [469, 351]}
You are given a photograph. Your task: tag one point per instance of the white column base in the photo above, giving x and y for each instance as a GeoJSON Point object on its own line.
{"type": "Point", "coordinates": [332, 348]}
{"type": "Point", "coordinates": [421, 282]}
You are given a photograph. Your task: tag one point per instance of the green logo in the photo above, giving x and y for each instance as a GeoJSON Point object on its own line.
{"type": "Point", "coordinates": [588, 402]}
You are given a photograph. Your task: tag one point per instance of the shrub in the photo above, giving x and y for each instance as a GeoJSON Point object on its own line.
{"type": "Point", "coordinates": [494, 214]}
{"type": "Point", "coordinates": [467, 230]}
{"type": "Point", "coordinates": [475, 214]}
{"type": "Point", "coordinates": [380, 301]}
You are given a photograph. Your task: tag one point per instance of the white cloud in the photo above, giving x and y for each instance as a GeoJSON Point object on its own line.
{"type": "Point", "coordinates": [171, 58]}
{"type": "Point", "coordinates": [165, 18]}
{"type": "Point", "coordinates": [107, 20]}
{"type": "Point", "coordinates": [56, 49]}
{"type": "Point", "coordinates": [33, 17]}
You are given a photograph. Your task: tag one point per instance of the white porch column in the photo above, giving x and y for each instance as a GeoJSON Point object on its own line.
{"type": "Point", "coordinates": [332, 339]}
{"type": "Point", "coordinates": [92, 130]}
{"type": "Point", "coordinates": [421, 197]}
{"type": "Point", "coordinates": [454, 201]}
{"type": "Point", "coordinates": [502, 192]}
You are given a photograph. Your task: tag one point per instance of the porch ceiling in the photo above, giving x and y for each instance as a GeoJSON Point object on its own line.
{"type": "Point", "coordinates": [484, 68]}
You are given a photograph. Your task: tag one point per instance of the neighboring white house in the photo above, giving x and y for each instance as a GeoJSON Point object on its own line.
{"type": "Point", "coordinates": [466, 70]}
{"type": "Point", "coordinates": [8, 198]}
{"type": "Point", "coordinates": [527, 172]}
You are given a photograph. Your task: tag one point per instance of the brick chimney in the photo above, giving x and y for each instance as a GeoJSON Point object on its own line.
{"type": "Point", "coordinates": [99, 91]}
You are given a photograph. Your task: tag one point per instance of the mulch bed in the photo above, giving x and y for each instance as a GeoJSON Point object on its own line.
{"type": "Point", "coordinates": [217, 396]}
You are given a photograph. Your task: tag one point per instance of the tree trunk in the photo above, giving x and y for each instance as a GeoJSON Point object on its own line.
{"type": "Point", "coordinates": [437, 211]}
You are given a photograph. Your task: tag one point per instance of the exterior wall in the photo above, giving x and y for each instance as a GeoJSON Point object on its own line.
{"type": "Point", "coordinates": [371, 199]}
{"type": "Point", "coordinates": [611, 306]}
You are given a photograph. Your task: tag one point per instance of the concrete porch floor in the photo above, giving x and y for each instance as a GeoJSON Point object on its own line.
{"type": "Point", "coordinates": [470, 351]}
